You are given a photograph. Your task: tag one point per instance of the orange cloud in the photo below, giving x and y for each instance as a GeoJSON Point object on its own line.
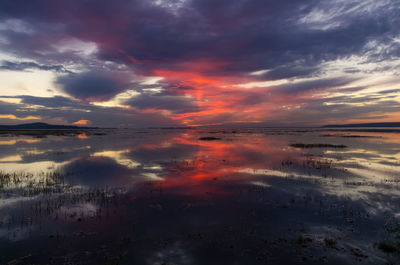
{"type": "Point", "coordinates": [81, 122]}
{"type": "Point", "coordinates": [13, 117]}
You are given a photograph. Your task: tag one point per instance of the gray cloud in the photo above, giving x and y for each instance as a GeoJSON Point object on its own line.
{"type": "Point", "coordinates": [91, 86]}
{"type": "Point", "coordinates": [176, 104]}
{"type": "Point", "coordinates": [22, 66]}
{"type": "Point", "coordinates": [318, 84]}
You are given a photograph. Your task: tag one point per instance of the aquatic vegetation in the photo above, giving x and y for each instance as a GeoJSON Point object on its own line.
{"type": "Point", "coordinates": [209, 138]}
{"type": "Point", "coordinates": [348, 136]}
{"type": "Point", "coordinates": [29, 183]}
{"type": "Point", "coordinates": [301, 145]}
{"type": "Point", "coordinates": [389, 247]}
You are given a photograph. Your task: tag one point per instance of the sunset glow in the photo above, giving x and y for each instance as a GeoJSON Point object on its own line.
{"type": "Point", "coordinates": [194, 63]}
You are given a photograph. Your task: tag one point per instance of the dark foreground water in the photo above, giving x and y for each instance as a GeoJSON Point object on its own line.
{"type": "Point", "coordinates": [206, 196]}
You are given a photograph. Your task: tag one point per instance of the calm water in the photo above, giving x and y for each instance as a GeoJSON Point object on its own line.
{"type": "Point", "coordinates": [206, 196]}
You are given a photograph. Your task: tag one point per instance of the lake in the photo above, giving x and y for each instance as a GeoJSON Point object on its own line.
{"type": "Point", "coordinates": [200, 196]}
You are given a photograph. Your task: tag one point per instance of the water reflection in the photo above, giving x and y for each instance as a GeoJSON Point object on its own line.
{"type": "Point", "coordinates": [14, 141]}
{"type": "Point", "coordinates": [243, 196]}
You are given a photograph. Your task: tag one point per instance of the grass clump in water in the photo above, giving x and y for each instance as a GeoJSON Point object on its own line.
{"type": "Point", "coordinates": [388, 247]}
{"type": "Point", "coordinates": [301, 145]}
{"type": "Point", "coordinates": [209, 138]}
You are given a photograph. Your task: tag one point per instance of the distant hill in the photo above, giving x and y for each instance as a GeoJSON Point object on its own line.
{"type": "Point", "coordinates": [42, 126]}
{"type": "Point", "coordinates": [357, 125]}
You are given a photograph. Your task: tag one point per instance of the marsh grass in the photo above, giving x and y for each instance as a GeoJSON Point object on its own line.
{"type": "Point", "coordinates": [30, 184]}
{"type": "Point", "coordinates": [318, 145]}
{"type": "Point", "coordinates": [209, 138]}
{"type": "Point", "coordinates": [389, 247]}
{"type": "Point", "coordinates": [319, 163]}
{"type": "Point", "coordinates": [37, 198]}
{"type": "Point", "coordinates": [348, 136]}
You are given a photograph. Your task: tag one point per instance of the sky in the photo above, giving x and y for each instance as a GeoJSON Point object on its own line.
{"type": "Point", "coordinates": [157, 63]}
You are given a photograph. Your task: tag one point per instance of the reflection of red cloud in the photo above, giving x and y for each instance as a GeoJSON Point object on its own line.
{"type": "Point", "coordinates": [220, 161]}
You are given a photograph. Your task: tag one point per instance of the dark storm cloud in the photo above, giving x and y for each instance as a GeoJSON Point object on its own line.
{"type": "Point", "coordinates": [251, 34]}
{"type": "Point", "coordinates": [91, 86]}
{"type": "Point", "coordinates": [176, 104]}
{"type": "Point", "coordinates": [54, 102]}
{"type": "Point", "coordinates": [7, 108]}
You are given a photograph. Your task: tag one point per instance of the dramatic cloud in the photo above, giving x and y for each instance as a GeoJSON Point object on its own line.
{"type": "Point", "coordinates": [205, 62]}
{"type": "Point", "coordinates": [90, 86]}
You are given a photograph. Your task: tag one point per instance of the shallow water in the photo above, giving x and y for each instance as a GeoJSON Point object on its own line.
{"type": "Point", "coordinates": [164, 196]}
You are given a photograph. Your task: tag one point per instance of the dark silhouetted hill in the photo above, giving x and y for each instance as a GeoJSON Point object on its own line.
{"type": "Point", "coordinates": [358, 125]}
{"type": "Point", "coordinates": [42, 126]}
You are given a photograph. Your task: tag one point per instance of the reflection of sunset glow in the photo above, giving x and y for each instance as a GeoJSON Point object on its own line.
{"type": "Point", "coordinates": [14, 158]}
{"type": "Point", "coordinates": [257, 158]}
{"type": "Point", "coordinates": [34, 167]}
{"type": "Point", "coordinates": [263, 172]}
{"type": "Point", "coordinates": [34, 152]}
{"type": "Point", "coordinates": [152, 177]}
{"type": "Point", "coordinates": [14, 141]}
{"type": "Point", "coordinates": [81, 136]}
{"type": "Point", "coordinates": [248, 156]}
{"type": "Point", "coordinates": [218, 161]}
{"type": "Point", "coordinates": [371, 164]}
{"type": "Point", "coordinates": [119, 157]}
